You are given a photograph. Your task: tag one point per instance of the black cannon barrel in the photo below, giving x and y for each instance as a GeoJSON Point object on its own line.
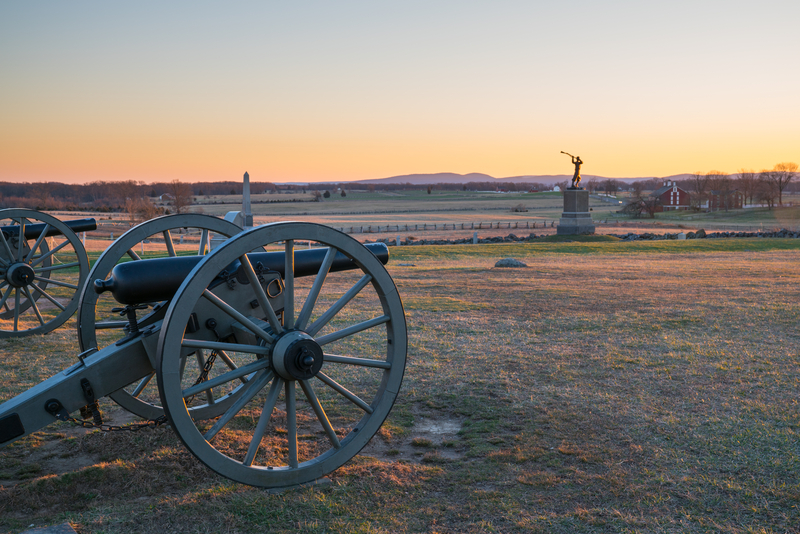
{"type": "Point", "coordinates": [135, 282]}
{"type": "Point", "coordinates": [33, 231]}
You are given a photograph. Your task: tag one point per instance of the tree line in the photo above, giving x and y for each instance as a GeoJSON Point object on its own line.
{"type": "Point", "coordinates": [765, 187]}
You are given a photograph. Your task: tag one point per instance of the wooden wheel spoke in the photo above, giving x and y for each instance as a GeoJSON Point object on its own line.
{"type": "Point", "coordinates": [313, 294]}
{"type": "Point", "coordinates": [143, 384]}
{"type": "Point", "coordinates": [3, 301]}
{"type": "Point", "coordinates": [34, 306]}
{"type": "Point", "coordinates": [201, 250]}
{"type": "Point", "coordinates": [49, 253]}
{"type": "Point", "coordinates": [22, 239]}
{"type": "Point", "coordinates": [260, 294]}
{"type": "Point", "coordinates": [263, 420]}
{"type": "Point", "coordinates": [251, 391]}
{"type": "Point", "coordinates": [55, 282]}
{"type": "Point", "coordinates": [7, 248]}
{"type": "Point", "coordinates": [363, 362]}
{"type": "Point", "coordinates": [291, 422]}
{"type": "Point", "coordinates": [288, 285]}
{"type": "Point", "coordinates": [37, 243]}
{"type": "Point", "coordinates": [225, 307]}
{"type": "Point", "coordinates": [46, 295]}
{"type": "Point", "coordinates": [168, 242]}
{"type": "Point", "coordinates": [350, 330]}
{"type": "Point", "coordinates": [227, 377]}
{"type": "Point", "coordinates": [16, 310]}
{"type": "Point", "coordinates": [322, 417]}
{"type": "Point", "coordinates": [231, 364]}
{"type": "Point", "coordinates": [338, 305]}
{"type": "Point", "coordinates": [58, 267]}
{"type": "Point", "coordinates": [344, 392]}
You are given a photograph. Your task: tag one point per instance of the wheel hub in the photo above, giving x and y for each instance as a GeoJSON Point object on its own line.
{"type": "Point", "coordinates": [20, 275]}
{"type": "Point", "coordinates": [296, 356]}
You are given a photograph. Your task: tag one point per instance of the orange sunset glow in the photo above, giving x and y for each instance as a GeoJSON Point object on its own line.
{"type": "Point", "coordinates": [352, 91]}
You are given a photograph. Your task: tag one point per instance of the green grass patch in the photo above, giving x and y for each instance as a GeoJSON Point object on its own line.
{"type": "Point", "coordinates": [597, 247]}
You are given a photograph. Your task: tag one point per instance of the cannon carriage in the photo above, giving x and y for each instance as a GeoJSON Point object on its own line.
{"type": "Point", "coordinates": [275, 358]}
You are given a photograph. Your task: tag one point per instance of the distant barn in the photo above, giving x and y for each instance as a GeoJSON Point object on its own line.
{"type": "Point", "coordinates": [672, 197]}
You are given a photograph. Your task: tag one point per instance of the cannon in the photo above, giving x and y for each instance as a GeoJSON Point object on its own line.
{"type": "Point", "coordinates": [43, 267]}
{"type": "Point", "coordinates": [276, 357]}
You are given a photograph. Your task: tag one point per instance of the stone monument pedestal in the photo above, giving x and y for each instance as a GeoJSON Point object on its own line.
{"type": "Point", "coordinates": [576, 219]}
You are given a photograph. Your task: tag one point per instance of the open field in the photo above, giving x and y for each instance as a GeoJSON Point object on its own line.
{"type": "Point", "coordinates": [607, 387]}
{"type": "Point", "coordinates": [368, 211]}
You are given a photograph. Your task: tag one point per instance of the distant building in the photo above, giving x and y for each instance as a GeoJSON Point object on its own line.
{"type": "Point", "coordinates": [556, 188]}
{"type": "Point", "coordinates": [672, 197]}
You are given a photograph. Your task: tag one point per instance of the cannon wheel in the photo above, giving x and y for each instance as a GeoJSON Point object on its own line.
{"type": "Point", "coordinates": [326, 380]}
{"type": "Point", "coordinates": [39, 283]}
{"type": "Point", "coordinates": [94, 313]}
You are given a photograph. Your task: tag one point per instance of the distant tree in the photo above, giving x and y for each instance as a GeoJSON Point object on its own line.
{"type": "Point", "coordinates": [781, 175]}
{"type": "Point", "coordinates": [181, 195]}
{"type": "Point", "coordinates": [317, 196]}
{"type": "Point", "coordinates": [343, 193]}
{"type": "Point", "coordinates": [699, 190]}
{"type": "Point", "coordinates": [638, 206]}
{"type": "Point", "coordinates": [592, 185]}
{"type": "Point", "coordinates": [610, 186]}
{"type": "Point", "coordinates": [141, 209]}
{"type": "Point", "coordinates": [637, 189]}
{"type": "Point", "coordinates": [766, 192]}
{"type": "Point", "coordinates": [430, 188]}
{"type": "Point", "coordinates": [371, 188]}
{"type": "Point", "coordinates": [746, 183]}
{"type": "Point", "coordinates": [721, 185]}
{"type": "Point", "coordinates": [326, 194]}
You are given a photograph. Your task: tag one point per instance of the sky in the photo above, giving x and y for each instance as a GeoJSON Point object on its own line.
{"type": "Point", "coordinates": [347, 90]}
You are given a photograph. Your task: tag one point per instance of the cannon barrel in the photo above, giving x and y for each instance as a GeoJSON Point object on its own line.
{"type": "Point", "coordinates": [136, 282]}
{"type": "Point", "coordinates": [33, 231]}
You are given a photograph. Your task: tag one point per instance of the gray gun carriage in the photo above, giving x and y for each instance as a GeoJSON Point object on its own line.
{"type": "Point", "coordinates": [275, 358]}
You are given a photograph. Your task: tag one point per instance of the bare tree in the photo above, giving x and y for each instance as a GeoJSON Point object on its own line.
{"type": "Point", "coordinates": [766, 191]}
{"type": "Point", "coordinates": [592, 185]}
{"type": "Point", "coordinates": [747, 184]}
{"type": "Point", "coordinates": [610, 186]}
{"type": "Point", "coordinates": [638, 206]}
{"type": "Point", "coordinates": [141, 209]}
{"type": "Point", "coordinates": [699, 190]}
{"type": "Point", "coordinates": [181, 195]}
{"type": "Point", "coordinates": [781, 175]}
{"type": "Point", "coordinates": [721, 187]}
{"type": "Point", "coordinates": [637, 189]}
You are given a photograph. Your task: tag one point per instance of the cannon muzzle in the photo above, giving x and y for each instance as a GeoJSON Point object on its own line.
{"type": "Point", "coordinates": [137, 282]}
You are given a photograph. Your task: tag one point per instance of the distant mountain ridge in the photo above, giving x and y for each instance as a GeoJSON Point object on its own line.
{"type": "Point", "coordinates": [454, 178]}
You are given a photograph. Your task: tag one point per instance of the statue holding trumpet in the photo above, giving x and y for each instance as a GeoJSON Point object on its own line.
{"type": "Point", "coordinates": [576, 178]}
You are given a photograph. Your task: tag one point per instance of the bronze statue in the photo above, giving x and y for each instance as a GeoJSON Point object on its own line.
{"type": "Point", "coordinates": [576, 178]}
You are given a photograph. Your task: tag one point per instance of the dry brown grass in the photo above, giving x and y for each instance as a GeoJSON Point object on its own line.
{"type": "Point", "coordinates": [622, 390]}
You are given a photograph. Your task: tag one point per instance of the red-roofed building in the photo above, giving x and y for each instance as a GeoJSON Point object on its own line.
{"type": "Point", "coordinates": [672, 197]}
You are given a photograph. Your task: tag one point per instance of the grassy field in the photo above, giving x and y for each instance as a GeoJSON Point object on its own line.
{"type": "Point", "coordinates": [606, 387]}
